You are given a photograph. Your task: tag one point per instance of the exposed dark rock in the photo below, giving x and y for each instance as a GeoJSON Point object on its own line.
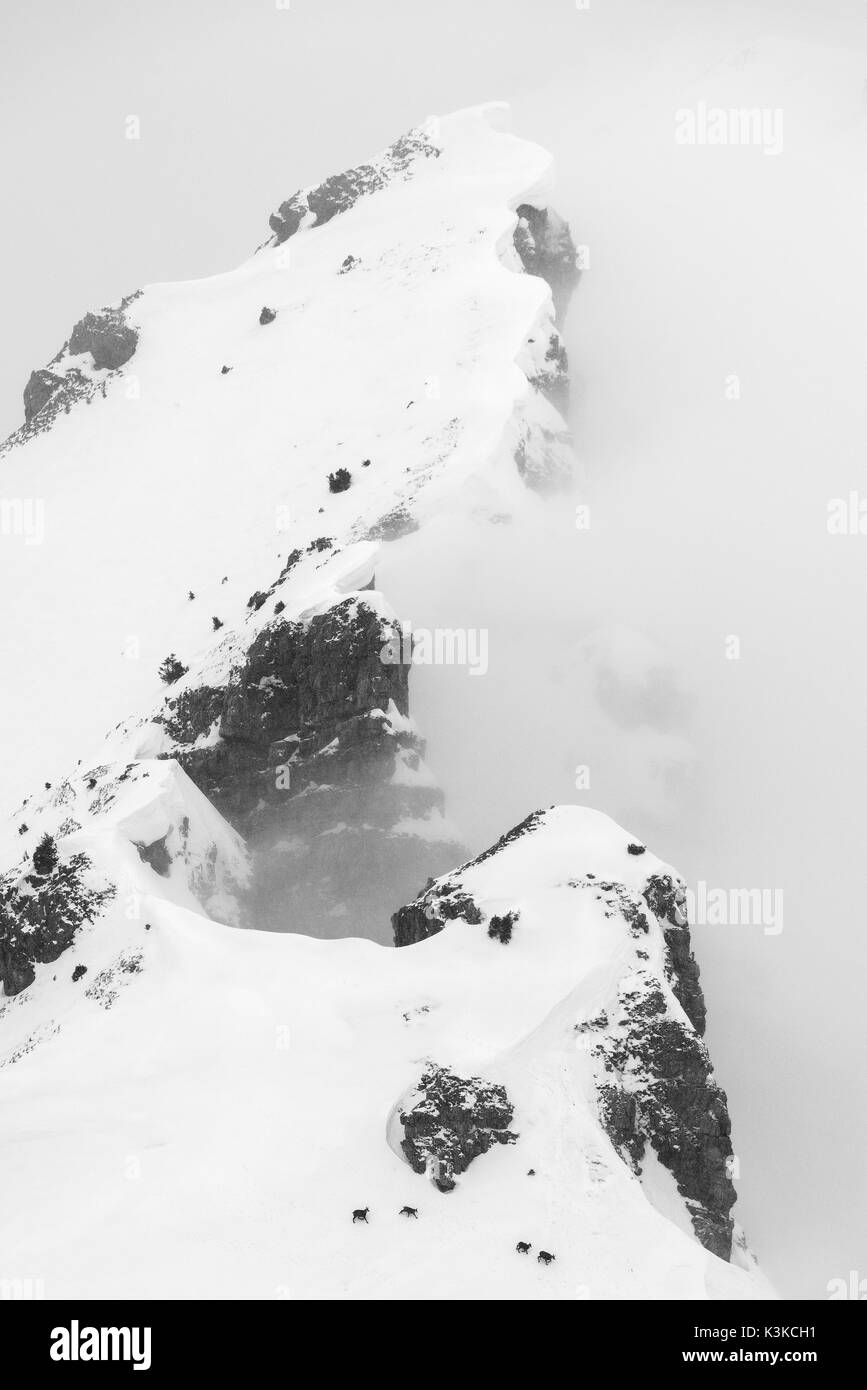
{"type": "Point", "coordinates": [78, 972]}
{"type": "Point", "coordinates": [544, 243]}
{"type": "Point", "coordinates": [671, 1101]}
{"type": "Point", "coordinates": [316, 206]}
{"type": "Point", "coordinates": [617, 900]}
{"type": "Point", "coordinates": [110, 340]}
{"type": "Point", "coordinates": [267, 315]}
{"type": "Point", "coordinates": [39, 917]}
{"type": "Point", "coordinates": [655, 1083]}
{"type": "Point", "coordinates": [157, 856]}
{"type": "Point", "coordinates": [107, 336]}
{"type": "Point", "coordinates": [439, 903]}
{"type": "Point", "coordinates": [304, 767]}
{"type": "Point", "coordinates": [42, 387]}
{"type": "Point", "coordinates": [524, 827]}
{"type": "Point", "coordinates": [666, 898]}
{"type": "Point", "coordinates": [107, 984]}
{"type": "Point", "coordinates": [451, 1122]}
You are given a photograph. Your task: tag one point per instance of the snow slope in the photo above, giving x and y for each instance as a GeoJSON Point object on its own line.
{"type": "Point", "coordinates": [199, 1110]}
{"type": "Point", "coordinates": [181, 476]}
{"type": "Point", "coordinates": [209, 1130]}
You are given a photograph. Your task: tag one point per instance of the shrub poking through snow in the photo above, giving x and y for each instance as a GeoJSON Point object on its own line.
{"type": "Point", "coordinates": [339, 481]}
{"type": "Point", "coordinates": [500, 928]}
{"type": "Point", "coordinates": [45, 856]}
{"type": "Point", "coordinates": [218, 623]}
{"type": "Point", "coordinates": [172, 669]}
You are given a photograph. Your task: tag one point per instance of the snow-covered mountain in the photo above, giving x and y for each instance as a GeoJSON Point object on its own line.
{"type": "Point", "coordinates": [200, 1088]}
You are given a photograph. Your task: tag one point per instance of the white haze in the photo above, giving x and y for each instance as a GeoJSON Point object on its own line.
{"type": "Point", "coordinates": [708, 521]}
{"type": "Point", "coordinates": [708, 515]}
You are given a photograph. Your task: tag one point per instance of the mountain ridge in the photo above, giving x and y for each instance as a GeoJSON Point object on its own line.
{"type": "Point", "coordinates": [279, 782]}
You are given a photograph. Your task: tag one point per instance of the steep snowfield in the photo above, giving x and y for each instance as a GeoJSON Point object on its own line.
{"type": "Point", "coordinates": [209, 1129]}
{"type": "Point", "coordinates": [182, 475]}
{"type": "Point", "coordinates": [199, 1110]}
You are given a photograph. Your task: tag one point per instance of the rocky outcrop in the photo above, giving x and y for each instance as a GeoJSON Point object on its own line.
{"type": "Point", "coordinates": [446, 900]}
{"type": "Point", "coordinates": [657, 1088]}
{"type": "Point", "coordinates": [40, 915]}
{"type": "Point", "coordinates": [439, 903]}
{"type": "Point", "coordinates": [451, 1122]}
{"type": "Point", "coordinates": [308, 752]}
{"type": "Point", "coordinates": [42, 387]}
{"type": "Point", "coordinates": [107, 336]}
{"type": "Point", "coordinates": [666, 898]}
{"type": "Point", "coordinates": [654, 1080]}
{"type": "Point", "coordinates": [544, 244]}
{"type": "Point", "coordinates": [110, 340]}
{"type": "Point", "coordinates": [317, 205]}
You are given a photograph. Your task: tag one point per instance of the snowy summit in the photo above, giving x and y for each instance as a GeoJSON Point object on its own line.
{"type": "Point", "coordinates": [296, 1040]}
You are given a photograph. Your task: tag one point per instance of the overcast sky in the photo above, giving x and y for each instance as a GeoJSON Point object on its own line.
{"type": "Point", "coordinates": [712, 512]}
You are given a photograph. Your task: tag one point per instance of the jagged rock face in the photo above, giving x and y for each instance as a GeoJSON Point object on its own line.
{"type": "Point", "coordinates": [671, 1102]}
{"type": "Point", "coordinates": [445, 899]}
{"type": "Point", "coordinates": [438, 904]}
{"type": "Point", "coordinates": [157, 855]}
{"type": "Point", "coordinates": [300, 686]}
{"type": "Point", "coordinates": [453, 1121]}
{"type": "Point", "coordinates": [40, 915]}
{"type": "Point", "coordinates": [315, 773]}
{"type": "Point", "coordinates": [316, 206]}
{"type": "Point", "coordinates": [40, 389]}
{"type": "Point", "coordinates": [544, 243]}
{"type": "Point", "coordinates": [111, 341]}
{"type": "Point", "coordinates": [107, 336]}
{"type": "Point", "coordinates": [666, 898]}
